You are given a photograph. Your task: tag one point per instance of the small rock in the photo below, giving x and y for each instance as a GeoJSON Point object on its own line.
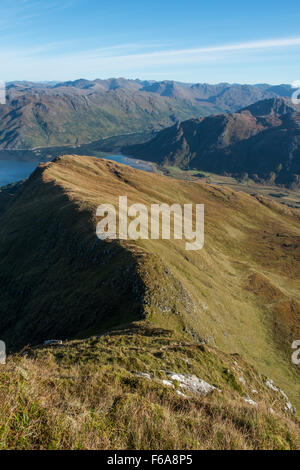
{"type": "Point", "coordinates": [250, 402]}
{"type": "Point", "coordinates": [290, 407]}
{"type": "Point", "coordinates": [192, 383]}
{"type": "Point", "coordinates": [270, 384]}
{"type": "Point", "coordinates": [242, 380]}
{"type": "Point", "coordinates": [181, 394]}
{"type": "Point", "coordinates": [284, 395]}
{"type": "Point", "coordinates": [52, 342]}
{"type": "Point", "coordinates": [166, 382]}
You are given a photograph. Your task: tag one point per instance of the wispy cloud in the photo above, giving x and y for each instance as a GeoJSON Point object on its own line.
{"type": "Point", "coordinates": [251, 45]}
{"type": "Point", "coordinates": [14, 12]}
{"type": "Point", "coordinates": [52, 58]}
{"type": "Point", "coordinates": [196, 55]}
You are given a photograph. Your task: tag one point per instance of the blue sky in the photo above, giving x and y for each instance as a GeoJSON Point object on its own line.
{"type": "Point", "coordinates": [186, 40]}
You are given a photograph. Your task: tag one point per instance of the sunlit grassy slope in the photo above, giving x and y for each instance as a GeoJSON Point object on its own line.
{"type": "Point", "coordinates": [240, 293]}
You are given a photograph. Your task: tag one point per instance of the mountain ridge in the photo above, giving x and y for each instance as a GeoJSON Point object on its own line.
{"type": "Point", "coordinates": [261, 140]}
{"type": "Point", "coordinates": [78, 112]}
{"type": "Point", "coordinates": [240, 293]}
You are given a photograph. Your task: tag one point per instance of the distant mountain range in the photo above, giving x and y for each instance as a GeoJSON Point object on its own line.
{"type": "Point", "coordinates": [261, 141]}
{"type": "Point", "coordinates": [82, 111]}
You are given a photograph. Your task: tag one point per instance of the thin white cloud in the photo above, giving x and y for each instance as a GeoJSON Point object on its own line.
{"type": "Point", "coordinates": [252, 45]}
{"type": "Point", "coordinates": [202, 54]}
{"type": "Point", "coordinates": [51, 61]}
{"type": "Point", "coordinates": [125, 61]}
{"type": "Point", "coordinates": [22, 12]}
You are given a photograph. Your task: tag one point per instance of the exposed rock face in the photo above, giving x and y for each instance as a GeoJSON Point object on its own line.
{"type": "Point", "coordinates": [189, 383]}
{"type": "Point", "coordinates": [195, 386]}
{"type": "Point", "coordinates": [192, 383]}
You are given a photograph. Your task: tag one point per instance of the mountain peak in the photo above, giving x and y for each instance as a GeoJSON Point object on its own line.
{"type": "Point", "coordinates": [273, 106]}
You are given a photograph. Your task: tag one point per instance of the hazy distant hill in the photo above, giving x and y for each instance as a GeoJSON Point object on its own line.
{"type": "Point", "coordinates": [82, 111]}
{"type": "Point", "coordinates": [262, 140]}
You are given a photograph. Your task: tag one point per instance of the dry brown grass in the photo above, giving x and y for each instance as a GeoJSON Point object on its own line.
{"type": "Point", "coordinates": [80, 397]}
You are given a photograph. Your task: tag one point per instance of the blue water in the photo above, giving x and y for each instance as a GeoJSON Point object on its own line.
{"type": "Point", "coordinates": [12, 171]}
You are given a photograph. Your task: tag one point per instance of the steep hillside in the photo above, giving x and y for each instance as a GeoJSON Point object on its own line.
{"type": "Point", "coordinates": [239, 293]}
{"type": "Point", "coordinates": [262, 141]}
{"type": "Point", "coordinates": [72, 113]}
{"type": "Point", "coordinates": [36, 119]}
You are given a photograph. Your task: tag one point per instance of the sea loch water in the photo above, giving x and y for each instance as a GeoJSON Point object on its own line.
{"type": "Point", "coordinates": [12, 171]}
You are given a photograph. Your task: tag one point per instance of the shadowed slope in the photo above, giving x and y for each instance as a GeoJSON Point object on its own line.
{"type": "Point", "coordinates": [57, 278]}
